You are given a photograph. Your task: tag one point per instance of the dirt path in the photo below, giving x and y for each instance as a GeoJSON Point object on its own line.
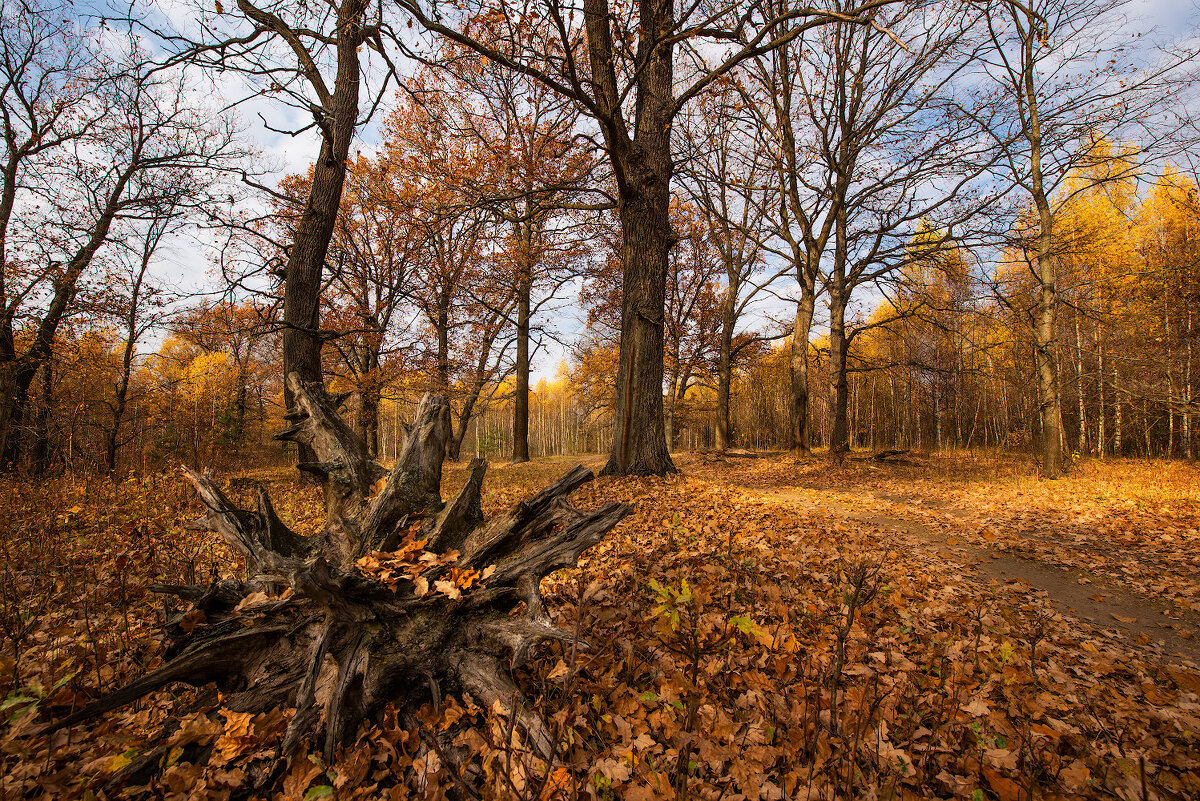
{"type": "Point", "coordinates": [1112, 611]}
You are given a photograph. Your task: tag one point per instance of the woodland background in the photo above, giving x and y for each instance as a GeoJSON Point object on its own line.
{"type": "Point", "coordinates": [480, 234]}
{"type": "Point", "coordinates": [649, 238]}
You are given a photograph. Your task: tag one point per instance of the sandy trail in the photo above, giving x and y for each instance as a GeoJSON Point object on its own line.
{"type": "Point", "coordinates": [1109, 609]}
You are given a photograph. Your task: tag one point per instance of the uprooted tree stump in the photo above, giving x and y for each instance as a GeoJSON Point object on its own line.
{"type": "Point", "coordinates": [398, 598]}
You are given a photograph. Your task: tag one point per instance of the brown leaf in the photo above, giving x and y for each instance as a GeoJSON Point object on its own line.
{"type": "Point", "coordinates": [189, 621]}
{"type": "Point", "coordinates": [1005, 788]}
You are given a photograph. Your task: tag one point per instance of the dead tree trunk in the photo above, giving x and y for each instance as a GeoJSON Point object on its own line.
{"type": "Point", "coordinates": [399, 597]}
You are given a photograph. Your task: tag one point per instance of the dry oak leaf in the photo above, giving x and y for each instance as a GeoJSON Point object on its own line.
{"type": "Point", "coordinates": [614, 770]}
{"type": "Point", "coordinates": [1074, 777]}
{"type": "Point", "coordinates": [1005, 788]}
{"type": "Point", "coordinates": [976, 708]}
{"type": "Point", "coordinates": [238, 736]}
{"type": "Point", "coordinates": [252, 599]}
{"type": "Point", "coordinates": [192, 619]}
{"type": "Point", "coordinates": [1184, 679]}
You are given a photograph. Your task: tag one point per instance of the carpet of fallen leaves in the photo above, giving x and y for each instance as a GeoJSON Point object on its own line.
{"type": "Point", "coordinates": [727, 646]}
{"type": "Point", "coordinates": [1133, 522]}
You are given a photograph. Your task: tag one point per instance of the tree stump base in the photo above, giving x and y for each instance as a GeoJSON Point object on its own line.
{"type": "Point", "coordinates": [399, 598]}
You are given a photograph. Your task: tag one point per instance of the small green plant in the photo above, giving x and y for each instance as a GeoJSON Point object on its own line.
{"type": "Point", "coordinates": [603, 786]}
{"type": "Point", "coordinates": [671, 600]}
{"type": "Point", "coordinates": [674, 528]}
{"type": "Point", "coordinates": [23, 699]}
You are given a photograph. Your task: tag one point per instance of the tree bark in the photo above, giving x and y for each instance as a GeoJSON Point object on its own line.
{"type": "Point", "coordinates": [643, 168]}
{"type": "Point", "coordinates": [369, 412]}
{"type": "Point", "coordinates": [20, 373]}
{"type": "Point", "coordinates": [1049, 404]}
{"type": "Point", "coordinates": [639, 435]}
{"type": "Point", "coordinates": [725, 369]}
{"type": "Point", "coordinates": [798, 364]}
{"type": "Point", "coordinates": [839, 437]}
{"type": "Point", "coordinates": [302, 337]}
{"type": "Point", "coordinates": [441, 326]}
{"type": "Point", "coordinates": [39, 453]}
{"type": "Point", "coordinates": [1101, 410]}
{"type": "Point", "coordinates": [520, 451]}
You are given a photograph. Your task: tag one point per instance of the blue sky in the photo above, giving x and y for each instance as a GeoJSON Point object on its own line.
{"type": "Point", "coordinates": [188, 266]}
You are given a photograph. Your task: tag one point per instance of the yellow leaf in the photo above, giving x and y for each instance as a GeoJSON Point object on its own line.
{"type": "Point", "coordinates": [122, 761]}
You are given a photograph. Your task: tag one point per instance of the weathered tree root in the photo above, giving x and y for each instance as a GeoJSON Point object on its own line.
{"type": "Point", "coordinates": [343, 644]}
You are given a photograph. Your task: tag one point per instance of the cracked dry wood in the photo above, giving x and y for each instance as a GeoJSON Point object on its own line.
{"type": "Point", "coordinates": [342, 646]}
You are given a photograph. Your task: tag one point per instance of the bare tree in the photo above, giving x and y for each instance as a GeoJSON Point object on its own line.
{"type": "Point", "coordinates": [371, 258]}
{"type": "Point", "coordinates": [1063, 82]}
{"type": "Point", "coordinates": [726, 171]}
{"type": "Point", "coordinates": [314, 59]}
{"type": "Point", "coordinates": [631, 70]}
{"type": "Point", "coordinates": [140, 305]}
{"type": "Point", "coordinates": [870, 147]}
{"type": "Point", "coordinates": [46, 73]}
{"type": "Point", "coordinates": [535, 173]}
{"type": "Point", "coordinates": [146, 146]}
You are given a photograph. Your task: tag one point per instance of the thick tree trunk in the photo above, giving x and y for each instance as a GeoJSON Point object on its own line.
{"type": "Point", "coordinates": [398, 598]}
{"type": "Point", "coordinates": [302, 282]}
{"type": "Point", "coordinates": [839, 390]}
{"type": "Point", "coordinates": [302, 337]}
{"type": "Point", "coordinates": [239, 403]}
{"type": "Point", "coordinates": [798, 364]}
{"type": "Point", "coordinates": [39, 452]}
{"type": "Point", "coordinates": [8, 352]}
{"type": "Point", "coordinates": [1047, 371]}
{"type": "Point", "coordinates": [639, 434]}
{"type": "Point", "coordinates": [1049, 402]}
{"type": "Point", "coordinates": [369, 399]}
{"type": "Point", "coordinates": [441, 328]}
{"type": "Point", "coordinates": [9, 424]}
{"type": "Point", "coordinates": [368, 416]}
{"type": "Point", "coordinates": [643, 167]}
{"type": "Point", "coordinates": [725, 371]}
{"type": "Point", "coordinates": [520, 451]}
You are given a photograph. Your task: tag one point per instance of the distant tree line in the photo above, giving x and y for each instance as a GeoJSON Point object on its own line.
{"type": "Point", "coordinates": [767, 224]}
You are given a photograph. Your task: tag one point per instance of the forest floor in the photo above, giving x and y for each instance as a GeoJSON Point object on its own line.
{"type": "Point", "coordinates": [943, 626]}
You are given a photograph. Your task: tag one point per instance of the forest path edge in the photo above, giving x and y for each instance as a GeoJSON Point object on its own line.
{"type": "Point", "coordinates": [1112, 611]}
